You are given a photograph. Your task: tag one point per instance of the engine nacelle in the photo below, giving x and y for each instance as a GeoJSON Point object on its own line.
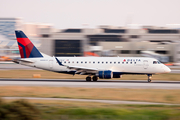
{"type": "Point", "coordinates": [107, 74]}
{"type": "Point", "coordinates": [116, 75]}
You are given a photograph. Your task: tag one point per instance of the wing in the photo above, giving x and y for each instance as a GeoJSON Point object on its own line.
{"type": "Point", "coordinates": [78, 69]}
{"type": "Point", "coordinates": [82, 70]}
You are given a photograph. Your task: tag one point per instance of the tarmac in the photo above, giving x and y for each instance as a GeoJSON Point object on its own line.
{"type": "Point", "coordinates": [135, 84]}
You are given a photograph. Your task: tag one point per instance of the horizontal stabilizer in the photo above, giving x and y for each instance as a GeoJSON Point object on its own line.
{"type": "Point", "coordinates": [22, 60]}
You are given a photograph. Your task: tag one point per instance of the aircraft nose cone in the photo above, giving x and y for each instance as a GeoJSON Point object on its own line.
{"type": "Point", "coordinates": [167, 69]}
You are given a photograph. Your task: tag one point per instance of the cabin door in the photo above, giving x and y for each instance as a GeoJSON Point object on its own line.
{"type": "Point", "coordinates": [50, 64]}
{"type": "Point", "coordinates": [145, 64]}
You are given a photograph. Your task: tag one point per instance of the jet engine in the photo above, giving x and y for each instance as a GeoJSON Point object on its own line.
{"type": "Point", "coordinates": [107, 74]}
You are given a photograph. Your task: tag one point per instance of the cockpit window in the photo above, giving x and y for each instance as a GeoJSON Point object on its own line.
{"type": "Point", "coordinates": [156, 62]}
{"type": "Point", "coordinates": [159, 62]}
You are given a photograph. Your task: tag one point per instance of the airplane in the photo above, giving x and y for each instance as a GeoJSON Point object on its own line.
{"type": "Point", "coordinates": [94, 67]}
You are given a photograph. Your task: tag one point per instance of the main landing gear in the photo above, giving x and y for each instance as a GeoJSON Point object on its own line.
{"type": "Point", "coordinates": [94, 78]}
{"type": "Point", "coordinates": [149, 77]}
{"type": "Point", "coordinates": [88, 78]}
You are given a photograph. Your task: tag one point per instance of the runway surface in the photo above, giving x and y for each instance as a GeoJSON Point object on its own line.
{"type": "Point", "coordinates": [142, 84]}
{"type": "Point", "coordinates": [90, 100]}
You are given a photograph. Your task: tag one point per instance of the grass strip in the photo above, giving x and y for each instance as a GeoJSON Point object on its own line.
{"type": "Point", "coordinates": [147, 95]}
{"type": "Point", "coordinates": [99, 111]}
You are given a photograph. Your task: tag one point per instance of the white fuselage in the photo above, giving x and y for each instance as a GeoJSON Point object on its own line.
{"type": "Point", "coordinates": [124, 65]}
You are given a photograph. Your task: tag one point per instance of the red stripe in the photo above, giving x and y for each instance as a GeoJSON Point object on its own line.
{"type": "Point", "coordinates": [29, 48]}
{"type": "Point", "coordinates": [21, 51]}
{"type": "Point", "coordinates": [23, 41]}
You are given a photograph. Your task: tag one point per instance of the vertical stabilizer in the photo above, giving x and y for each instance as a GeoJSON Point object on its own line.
{"type": "Point", "coordinates": [26, 47]}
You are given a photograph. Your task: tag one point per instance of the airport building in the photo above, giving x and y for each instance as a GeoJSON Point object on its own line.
{"type": "Point", "coordinates": [7, 27]}
{"type": "Point", "coordinates": [112, 41]}
{"type": "Point", "coordinates": [68, 42]}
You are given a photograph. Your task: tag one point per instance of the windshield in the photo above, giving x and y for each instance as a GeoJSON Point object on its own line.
{"type": "Point", "coordinates": [156, 62]}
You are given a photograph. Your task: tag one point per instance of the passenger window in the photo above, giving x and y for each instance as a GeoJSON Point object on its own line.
{"type": "Point", "coordinates": [69, 62]}
{"type": "Point", "coordinates": [98, 62]}
{"type": "Point", "coordinates": [134, 62]}
{"type": "Point", "coordinates": [64, 62]}
{"type": "Point", "coordinates": [89, 62]}
{"type": "Point", "coordinates": [106, 62]}
{"type": "Point", "coordinates": [85, 62]}
{"type": "Point", "coordinates": [110, 62]}
{"type": "Point", "coordinates": [118, 62]}
{"type": "Point", "coordinates": [72, 61]}
{"type": "Point", "coordinates": [93, 62]}
{"type": "Point", "coordinates": [126, 62]}
{"type": "Point", "coordinates": [131, 62]}
{"type": "Point", "coordinates": [122, 62]}
{"type": "Point", "coordinates": [102, 62]}
{"type": "Point", "coordinates": [82, 62]}
{"type": "Point", "coordinates": [114, 62]}
{"type": "Point", "coordinates": [77, 61]}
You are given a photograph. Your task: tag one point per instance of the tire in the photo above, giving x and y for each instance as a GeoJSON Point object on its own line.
{"type": "Point", "coordinates": [88, 78]}
{"type": "Point", "coordinates": [95, 78]}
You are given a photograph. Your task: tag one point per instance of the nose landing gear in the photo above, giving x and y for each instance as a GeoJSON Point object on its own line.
{"type": "Point", "coordinates": [149, 77]}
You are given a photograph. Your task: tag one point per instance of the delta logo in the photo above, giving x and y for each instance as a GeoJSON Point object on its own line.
{"type": "Point", "coordinates": [131, 60]}
{"type": "Point", "coordinates": [64, 60]}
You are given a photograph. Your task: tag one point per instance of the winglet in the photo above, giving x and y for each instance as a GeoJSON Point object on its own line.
{"type": "Point", "coordinates": [59, 62]}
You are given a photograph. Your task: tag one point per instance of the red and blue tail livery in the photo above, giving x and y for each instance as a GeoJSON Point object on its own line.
{"type": "Point", "coordinates": [26, 47]}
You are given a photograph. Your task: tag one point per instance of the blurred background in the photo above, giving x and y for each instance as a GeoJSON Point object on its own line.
{"type": "Point", "coordinates": [93, 28]}
{"type": "Point", "coordinates": [161, 43]}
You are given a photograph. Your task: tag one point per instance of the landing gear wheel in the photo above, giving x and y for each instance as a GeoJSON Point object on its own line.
{"type": "Point", "coordinates": [149, 77]}
{"type": "Point", "coordinates": [95, 78]}
{"type": "Point", "coordinates": [88, 78]}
